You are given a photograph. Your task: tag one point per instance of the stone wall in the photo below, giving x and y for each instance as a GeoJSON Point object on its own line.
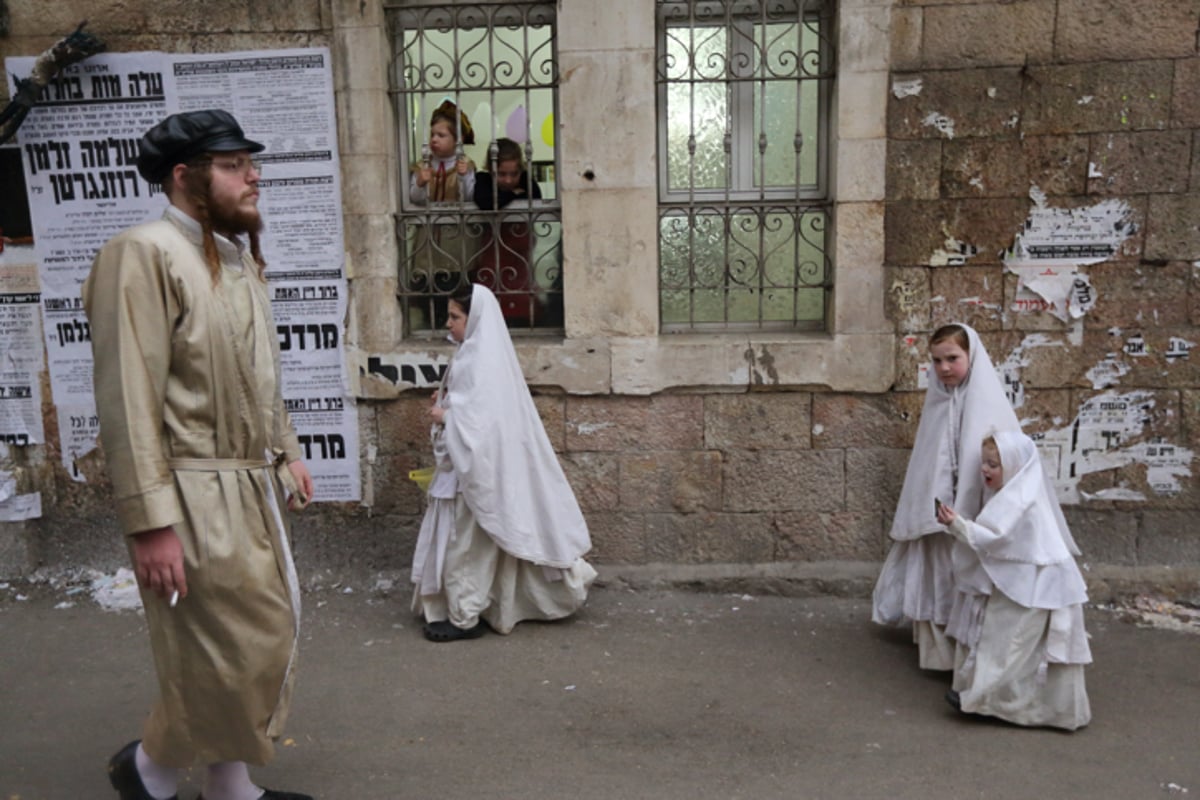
{"type": "Point", "coordinates": [774, 461]}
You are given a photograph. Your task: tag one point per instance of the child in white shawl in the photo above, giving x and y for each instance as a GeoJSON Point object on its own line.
{"type": "Point", "coordinates": [503, 538]}
{"type": "Point", "coordinates": [964, 401]}
{"type": "Point", "coordinates": [1018, 619]}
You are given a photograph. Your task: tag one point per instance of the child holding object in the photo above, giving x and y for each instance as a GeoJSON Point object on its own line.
{"type": "Point", "coordinates": [964, 401]}
{"type": "Point", "coordinates": [503, 538]}
{"type": "Point", "coordinates": [1018, 616]}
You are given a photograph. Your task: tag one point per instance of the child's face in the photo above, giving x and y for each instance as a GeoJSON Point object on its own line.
{"type": "Point", "coordinates": [457, 322]}
{"type": "Point", "coordinates": [993, 471]}
{"type": "Point", "coordinates": [442, 139]}
{"type": "Point", "coordinates": [508, 174]}
{"type": "Point", "coordinates": [950, 362]}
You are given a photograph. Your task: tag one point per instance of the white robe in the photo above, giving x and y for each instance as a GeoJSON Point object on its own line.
{"type": "Point", "coordinates": [1018, 616]}
{"type": "Point", "coordinates": [917, 584]}
{"type": "Point", "coordinates": [503, 536]}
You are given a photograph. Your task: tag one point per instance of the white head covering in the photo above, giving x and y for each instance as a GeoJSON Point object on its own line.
{"type": "Point", "coordinates": [954, 422]}
{"type": "Point", "coordinates": [507, 471]}
{"type": "Point", "coordinates": [1017, 536]}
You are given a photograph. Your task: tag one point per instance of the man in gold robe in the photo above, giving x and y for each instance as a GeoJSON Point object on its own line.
{"type": "Point", "coordinates": [202, 457]}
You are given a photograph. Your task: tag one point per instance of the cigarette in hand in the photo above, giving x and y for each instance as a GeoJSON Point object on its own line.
{"type": "Point", "coordinates": [174, 598]}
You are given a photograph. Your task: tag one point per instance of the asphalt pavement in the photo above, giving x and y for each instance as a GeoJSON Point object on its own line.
{"type": "Point", "coordinates": [655, 694]}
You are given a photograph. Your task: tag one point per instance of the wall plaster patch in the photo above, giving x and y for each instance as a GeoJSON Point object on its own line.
{"type": "Point", "coordinates": [1095, 442]}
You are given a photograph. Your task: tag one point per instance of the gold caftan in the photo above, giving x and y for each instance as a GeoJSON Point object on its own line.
{"type": "Point", "coordinates": [191, 419]}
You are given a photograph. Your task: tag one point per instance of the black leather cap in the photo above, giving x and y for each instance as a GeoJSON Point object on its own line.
{"type": "Point", "coordinates": [181, 137]}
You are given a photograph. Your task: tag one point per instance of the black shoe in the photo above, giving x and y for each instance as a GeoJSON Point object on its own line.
{"type": "Point", "coordinates": [953, 699]}
{"type": "Point", "coordinates": [124, 777]}
{"type": "Point", "coordinates": [445, 631]}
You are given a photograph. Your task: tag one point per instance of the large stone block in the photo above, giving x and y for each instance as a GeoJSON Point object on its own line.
{"type": "Point", "coordinates": [874, 477]}
{"type": "Point", "coordinates": [552, 409]}
{"type": "Point", "coordinates": [403, 423]}
{"type": "Point", "coordinates": [1044, 410]}
{"type": "Point", "coordinates": [1104, 537]}
{"type": "Point", "coordinates": [939, 232]}
{"type": "Point", "coordinates": [1115, 30]}
{"type": "Point", "coordinates": [850, 420]}
{"type": "Point", "coordinates": [758, 421]}
{"type": "Point", "coordinates": [906, 34]}
{"type": "Point", "coordinates": [709, 537]}
{"type": "Point", "coordinates": [1174, 227]}
{"type": "Point", "coordinates": [1133, 295]}
{"type": "Point", "coordinates": [973, 295]}
{"type": "Point", "coordinates": [1185, 108]}
{"type": "Point", "coordinates": [1058, 165]}
{"type": "Point", "coordinates": [617, 538]}
{"type": "Point", "coordinates": [671, 481]}
{"type": "Point", "coordinates": [1169, 537]}
{"type": "Point", "coordinates": [595, 479]}
{"type": "Point", "coordinates": [908, 298]}
{"type": "Point", "coordinates": [391, 491]}
{"type": "Point", "coordinates": [1017, 33]}
{"type": "Point", "coordinates": [660, 422]}
{"type": "Point", "coordinates": [914, 169]}
{"type": "Point", "coordinates": [1098, 97]}
{"type": "Point", "coordinates": [839, 536]}
{"type": "Point", "coordinates": [781, 480]}
{"type": "Point", "coordinates": [1142, 162]}
{"type": "Point", "coordinates": [983, 168]}
{"type": "Point", "coordinates": [955, 104]}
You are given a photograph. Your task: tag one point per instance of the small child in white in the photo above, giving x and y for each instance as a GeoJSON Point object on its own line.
{"type": "Point", "coordinates": [1018, 616]}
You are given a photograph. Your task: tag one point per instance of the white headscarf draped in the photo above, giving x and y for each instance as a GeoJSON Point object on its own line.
{"type": "Point", "coordinates": [507, 471]}
{"type": "Point", "coordinates": [954, 423]}
{"type": "Point", "coordinates": [1017, 536]}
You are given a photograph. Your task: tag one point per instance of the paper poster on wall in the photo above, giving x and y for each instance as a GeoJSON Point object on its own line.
{"type": "Point", "coordinates": [79, 148]}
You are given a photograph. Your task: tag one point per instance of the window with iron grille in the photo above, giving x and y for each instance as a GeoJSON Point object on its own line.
{"type": "Point", "coordinates": [486, 76]}
{"type": "Point", "coordinates": [744, 203]}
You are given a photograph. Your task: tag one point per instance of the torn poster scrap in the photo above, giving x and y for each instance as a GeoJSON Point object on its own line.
{"type": "Point", "coordinates": [1054, 244]}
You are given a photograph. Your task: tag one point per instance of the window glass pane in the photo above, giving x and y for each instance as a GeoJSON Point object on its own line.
{"type": "Point", "coordinates": [697, 106]}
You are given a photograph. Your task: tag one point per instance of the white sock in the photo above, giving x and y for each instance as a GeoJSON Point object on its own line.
{"type": "Point", "coordinates": [160, 782]}
{"type": "Point", "coordinates": [230, 780]}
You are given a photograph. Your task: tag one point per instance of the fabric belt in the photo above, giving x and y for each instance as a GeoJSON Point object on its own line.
{"type": "Point", "coordinates": [216, 464]}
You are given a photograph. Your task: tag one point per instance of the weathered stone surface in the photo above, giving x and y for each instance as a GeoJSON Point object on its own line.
{"type": "Point", "coordinates": [1140, 163]}
{"type": "Point", "coordinates": [911, 352]}
{"type": "Point", "coordinates": [848, 420]}
{"type": "Point", "coordinates": [391, 490]}
{"type": "Point", "coordinates": [1104, 537]}
{"type": "Point", "coordinates": [1058, 165]}
{"type": "Point", "coordinates": [1189, 402]}
{"type": "Point", "coordinates": [931, 232]}
{"type": "Point", "coordinates": [758, 421]}
{"type": "Point", "coordinates": [595, 478]}
{"type": "Point", "coordinates": [1044, 410]}
{"type": "Point", "coordinates": [617, 538]}
{"type": "Point", "coordinates": [17, 556]}
{"type": "Point", "coordinates": [905, 38]}
{"type": "Point", "coordinates": [908, 298]}
{"type": "Point", "coordinates": [973, 102]}
{"type": "Point", "coordinates": [913, 169]}
{"type": "Point", "coordinates": [1016, 33]}
{"type": "Point", "coordinates": [1174, 227]}
{"type": "Point", "coordinates": [781, 480]}
{"type": "Point", "coordinates": [403, 424]}
{"type": "Point", "coordinates": [1114, 30]}
{"type": "Point", "coordinates": [1185, 107]}
{"type": "Point", "coordinates": [1169, 537]}
{"type": "Point", "coordinates": [1160, 295]}
{"type": "Point", "coordinates": [671, 481]}
{"type": "Point", "coordinates": [1099, 97]}
{"type": "Point", "coordinates": [355, 543]}
{"type": "Point", "coordinates": [874, 477]}
{"type": "Point", "coordinates": [709, 537]}
{"type": "Point", "coordinates": [661, 422]}
{"type": "Point", "coordinates": [839, 536]}
{"type": "Point", "coordinates": [552, 409]}
{"type": "Point", "coordinates": [974, 295]}
{"type": "Point", "coordinates": [983, 168]}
